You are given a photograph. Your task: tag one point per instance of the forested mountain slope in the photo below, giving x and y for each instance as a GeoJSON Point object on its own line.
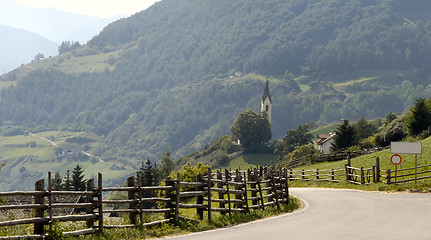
{"type": "Point", "coordinates": [161, 78]}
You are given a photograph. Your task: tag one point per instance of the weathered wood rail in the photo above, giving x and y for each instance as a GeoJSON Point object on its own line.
{"type": "Point", "coordinates": [329, 175]}
{"type": "Point", "coordinates": [362, 175]}
{"type": "Point", "coordinates": [330, 157]}
{"type": "Point", "coordinates": [406, 175]}
{"type": "Point", "coordinates": [43, 206]}
{"type": "Point", "coordinates": [225, 192]}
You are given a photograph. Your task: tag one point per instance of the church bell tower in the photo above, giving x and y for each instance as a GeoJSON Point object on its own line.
{"type": "Point", "coordinates": [266, 101]}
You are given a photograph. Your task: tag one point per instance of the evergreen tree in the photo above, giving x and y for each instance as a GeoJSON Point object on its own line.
{"type": "Point", "coordinates": [147, 173]}
{"type": "Point", "coordinates": [67, 184]}
{"type": "Point", "coordinates": [78, 181]}
{"type": "Point", "coordinates": [57, 182]}
{"type": "Point", "coordinates": [166, 166]}
{"type": "Point", "coordinates": [419, 117]}
{"type": "Point", "coordinates": [364, 129]}
{"type": "Point", "coordinates": [345, 137]}
{"type": "Point", "coordinates": [147, 178]}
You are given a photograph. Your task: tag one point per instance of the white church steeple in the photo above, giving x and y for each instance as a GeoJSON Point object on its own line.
{"type": "Point", "coordinates": [266, 101]}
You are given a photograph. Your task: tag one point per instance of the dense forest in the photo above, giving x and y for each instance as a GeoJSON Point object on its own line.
{"type": "Point", "coordinates": [172, 85]}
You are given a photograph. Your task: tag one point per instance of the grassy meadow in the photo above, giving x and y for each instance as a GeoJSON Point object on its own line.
{"type": "Point", "coordinates": [29, 158]}
{"type": "Point", "coordinates": [367, 161]}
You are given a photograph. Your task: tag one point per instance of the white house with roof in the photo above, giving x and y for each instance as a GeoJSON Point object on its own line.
{"type": "Point", "coordinates": [324, 142]}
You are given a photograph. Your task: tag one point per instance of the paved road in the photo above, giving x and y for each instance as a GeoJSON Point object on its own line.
{"type": "Point", "coordinates": [339, 214]}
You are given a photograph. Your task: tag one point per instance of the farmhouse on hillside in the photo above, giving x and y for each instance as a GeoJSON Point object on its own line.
{"type": "Point", "coordinates": [324, 141]}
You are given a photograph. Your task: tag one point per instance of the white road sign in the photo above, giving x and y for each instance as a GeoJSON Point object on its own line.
{"type": "Point", "coordinates": [406, 147]}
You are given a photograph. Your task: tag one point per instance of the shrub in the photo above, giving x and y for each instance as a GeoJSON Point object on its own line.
{"type": "Point", "coordinates": [301, 151]}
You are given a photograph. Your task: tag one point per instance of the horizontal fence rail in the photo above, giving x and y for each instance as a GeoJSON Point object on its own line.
{"type": "Point", "coordinates": [222, 191]}
{"type": "Point", "coordinates": [41, 210]}
{"type": "Point", "coordinates": [360, 175]}
{"type": "Point", "coordinates": [330, 157]}
{"type": "Point", "coordinates": [407, 175]}
{"type": "Point", "coordinates": [329, 175]}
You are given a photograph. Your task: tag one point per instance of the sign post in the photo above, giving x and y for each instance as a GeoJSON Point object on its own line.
{"type": "Point", "coordinates": [407, 148]}
{"type": "Point", "coordinates": [396, 160]}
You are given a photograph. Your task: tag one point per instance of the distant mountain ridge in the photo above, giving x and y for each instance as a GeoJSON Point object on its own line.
{"type": "Point", "coordinates": [51, 23]}
{"type": "Point", "coordinates": [19, 46]}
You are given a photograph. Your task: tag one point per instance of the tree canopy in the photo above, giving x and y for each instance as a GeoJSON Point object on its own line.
{"type": "Point", "coordinates": [251, 129]}
{"type": "Point", "coordinates": [418, 119]}
{"type": "Point", "coordinates": [345, 136]}
{"type": "Point", "coordinates": [78, 181]}
{"type": "Point", "coordinates": [294, 138]}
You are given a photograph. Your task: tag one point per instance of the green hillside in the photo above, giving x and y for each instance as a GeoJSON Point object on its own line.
{"type": "Point", "coordinates": [29, 157]}
{"type": "Point", "coordinates": [165, 78]}
{"type": "Point", "coordinates": [367, 161]}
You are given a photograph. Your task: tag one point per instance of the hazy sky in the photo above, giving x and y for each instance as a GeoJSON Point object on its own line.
{"type": "Point", "coordinates": [99, 8]}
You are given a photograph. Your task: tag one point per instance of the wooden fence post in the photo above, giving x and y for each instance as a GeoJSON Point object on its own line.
{"type": "Point", "coordinates": [39, 186]}
{"type": "Point", "coordinates": [377, 169]}
{"type": "Point", "coordinates": [168, 194]}
{"type": "Point", "coordinates": [238, 196]}
{"type": "Point", "coordinates": [209, 194]}
{"type": "Point", "coordinates": [132, 196]}
{"type": "Point", "coordinates": [362, 176]}
{"type": "Point", "coordinates": [220, 194]}
{"type": "Point", "coordinates": [274, 189]}
{"type": "Point", "coordinates": [287, 186]}
{"type": "Point", "coordinates": [253, 178]}
{"type": "Point", "coordinates": [346, 166]}
{"type": "Point", "coordinates": [388, 176]}
{"type": "Point", "coordinates": [228, 178]}
{"type": "Point", "coordinates": [348, 159]}
{"type": "Point", "coordinates": [199, 199]}
{"type": "Point", "coordinates": [140, 195]}
{"type": "Point", "coordinates": [245, 194]}
{"type": "Point", "coordinates": [89, 196]}
{"type": "Point", "coordinates": [374, 175]}
{"type": "Point", "coordinates": [348, 172]}
{"type": "Point", "coordinates": [317, 174]}
{"type": "Point", "coordinates": [269, 187]}
{"type": "Point", "coordinates": [332, 175]}
{"type": "Point", "coordinates": [99, 201]}
{"type": "Point", "coordinates": [50, 200]}
{"type": "Point", "coordinates": [177, 198]}
{"type": "Point", "coordinates": [260, 193]}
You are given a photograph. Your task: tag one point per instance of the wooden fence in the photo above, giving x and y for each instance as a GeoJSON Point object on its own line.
{"type": "Point", "coordinates": [223, 192]}
{"type": "Point", "coordinates": [329, 175]}
{"type": "Point", "coordinates": [362, 175]}
{"type": "Point", "coordinates": [407, 175]}
{"type": "Point", "coordinates": [330, 157]}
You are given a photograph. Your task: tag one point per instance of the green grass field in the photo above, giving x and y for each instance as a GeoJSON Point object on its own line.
{"type": "Point", "coordinates": [29, 158]}
{"type": "Point", "coordinates": [367, 161]}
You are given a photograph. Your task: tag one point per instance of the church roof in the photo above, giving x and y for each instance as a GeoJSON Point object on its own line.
{"type": "Point", "coordinates": [266, 93]}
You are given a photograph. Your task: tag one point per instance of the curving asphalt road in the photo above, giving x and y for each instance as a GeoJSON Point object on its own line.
{"type": "Point", "coordinates": [338, 214]}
